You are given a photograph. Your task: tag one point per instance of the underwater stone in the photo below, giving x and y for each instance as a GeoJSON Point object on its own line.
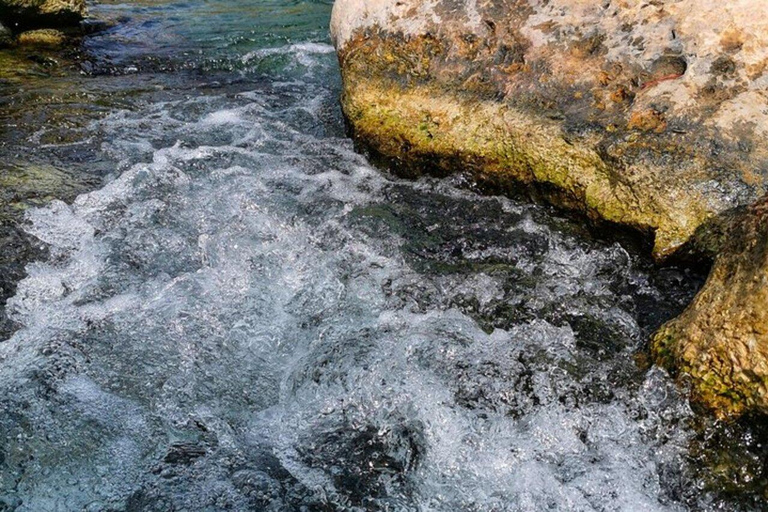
{"type": "Point", "coordinates": [6, 36]}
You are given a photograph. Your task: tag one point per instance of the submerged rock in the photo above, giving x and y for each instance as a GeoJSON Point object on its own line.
{"type": "Point", "coordinates": [644, 114]}
{"type": "Point", "coordinates": [720, 343]}
{"type": "Point", "coordinates": [20, 15]}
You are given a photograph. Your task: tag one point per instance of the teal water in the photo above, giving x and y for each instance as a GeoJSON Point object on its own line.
{"type": "Point", "coordinates": [244, 314]}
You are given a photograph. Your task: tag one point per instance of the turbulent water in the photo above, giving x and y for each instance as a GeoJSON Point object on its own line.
{"type": "Point", "coordinates": [249, 316]}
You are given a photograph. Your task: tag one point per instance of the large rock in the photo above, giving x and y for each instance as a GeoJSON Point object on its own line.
{"type": "Point", "coordinates": [19, 15]}
{"type": "Point", "coordinates": [647, 114]}
{"type": "Point", "coordinates": [720, 343]}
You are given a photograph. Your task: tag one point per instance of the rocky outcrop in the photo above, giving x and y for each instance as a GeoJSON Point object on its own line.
{"type": "Point", "coordinates": [720, 343]}
{"type": "Point", "coordinates": [645, 114]}
{"type": "Point", "coordinates": [21, 15]}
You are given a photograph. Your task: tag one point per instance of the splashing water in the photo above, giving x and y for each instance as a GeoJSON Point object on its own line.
{"type": "Point", "coordinates": [248, 316]}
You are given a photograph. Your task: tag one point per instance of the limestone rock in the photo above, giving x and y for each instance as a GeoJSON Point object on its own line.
{"type": "Point", "coordinates": [647, 114]}
{"type": "Point", "coordinates": [20, 15]}
{"type": "Point", "coordinates": [720, 343]}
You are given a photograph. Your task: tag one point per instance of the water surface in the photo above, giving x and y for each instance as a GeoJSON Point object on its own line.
{"type": "Point", "coordinates": [246, 315]}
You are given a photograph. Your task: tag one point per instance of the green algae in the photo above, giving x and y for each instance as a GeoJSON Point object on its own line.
{"type": "Point", "coordinates": [425, 129]}
{"type": "Point", "coordinates": [23, 185]}
{"type": "Point", "coordinates": [715, 385]}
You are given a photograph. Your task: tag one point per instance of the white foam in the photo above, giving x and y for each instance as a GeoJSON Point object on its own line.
{"type": "Point", "coordinates": [246, 287]}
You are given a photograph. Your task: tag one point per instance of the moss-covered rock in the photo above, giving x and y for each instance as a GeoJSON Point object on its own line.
{"type": "Point", "coordinates": [720, 343]}
{"type": "Point", "coordinates": [23, 185]}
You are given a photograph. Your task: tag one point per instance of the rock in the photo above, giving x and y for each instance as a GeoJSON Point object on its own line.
{"type": "Point", "coordinates": [95, 25]}
{"type": "Point", "coordinates": [20, 15]}
{"type": "Point", "coordinates": [44, 37]}
{"type": "Point", "coordinates": [644, 114]}
{"type": "Point", "coordinates": [720, 343]}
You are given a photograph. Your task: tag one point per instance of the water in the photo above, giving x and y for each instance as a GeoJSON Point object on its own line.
{"type": "Point", "coordinates": [248, 316]}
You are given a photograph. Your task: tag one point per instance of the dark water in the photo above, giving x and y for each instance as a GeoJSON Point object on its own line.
{"type": "Point", "coordinates": [245, 315]}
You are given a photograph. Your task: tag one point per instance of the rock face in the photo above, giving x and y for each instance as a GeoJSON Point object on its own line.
{"type": "Point", "coordinates": [20, 15]}
{"type": "Point", "coordinates": [720, 342]}
{"type": "Point", "coordinates": [648, 114]}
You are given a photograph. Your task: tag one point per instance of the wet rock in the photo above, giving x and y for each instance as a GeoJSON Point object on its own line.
{"type": "Point", "coordinates": [46, 38]}
{"type": "Point", "coordinates": [184, 453]}
{"type": "Point", "coordinates": [720, 343]}
{"type": "Point", "coordinates": [95, 25]}
{"type": "Point", "coordinates": [24, 185]}
{"type": "Point", "coordinates": [650, 115]}
{"type": "Point", "coordinates": [634, 112]}
{"type": "Point", "coordinates": [20, 15]}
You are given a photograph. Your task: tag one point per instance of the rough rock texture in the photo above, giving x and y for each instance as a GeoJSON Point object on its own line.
{"type": "Point", "coordinates": [648, 114]}
{"type": "Point", "coordinates": [720, 342]}
{"type": "Point", "coordinates": [20, 15]}
{"type": "Point", "coordinates": [43, 37]}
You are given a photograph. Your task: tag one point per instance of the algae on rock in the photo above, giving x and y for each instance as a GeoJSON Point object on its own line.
{"type": "Point", "coordinates": [44, 37]}
{"type": "Point", "coordinates": [720, 343]}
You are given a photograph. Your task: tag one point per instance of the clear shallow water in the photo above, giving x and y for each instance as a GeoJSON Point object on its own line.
{"type": "Point", "coordinates": [248, 316]}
